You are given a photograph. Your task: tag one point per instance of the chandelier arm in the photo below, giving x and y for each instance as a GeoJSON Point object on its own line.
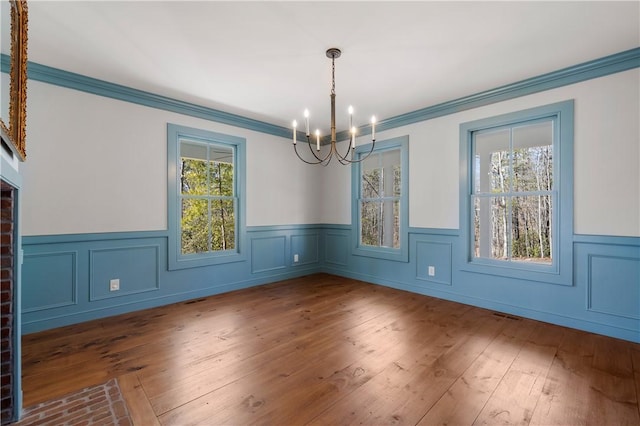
{"type": "Point", "coordinates": [295, 148]}
{"type": "Point", "coordinates": [345, 160]}
{"type": "Point", "coordinates": [320, 160]}
{"type": "Point", "coordinates": [345, 157]}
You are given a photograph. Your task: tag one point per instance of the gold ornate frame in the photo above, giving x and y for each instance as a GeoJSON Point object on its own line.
{"type": "Point", "coordinates": [15, 129]}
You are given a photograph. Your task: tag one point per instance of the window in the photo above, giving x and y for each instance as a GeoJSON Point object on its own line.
{"type": "Point", "coordinates": [206, 189]}
{"type": "Point", "coordinates": [380, 207]}
{"type": "Point", "coordinates": [517, 193]}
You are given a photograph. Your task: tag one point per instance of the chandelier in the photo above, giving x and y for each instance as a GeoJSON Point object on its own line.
{"type": "Point", "coordinates": [325, 159]}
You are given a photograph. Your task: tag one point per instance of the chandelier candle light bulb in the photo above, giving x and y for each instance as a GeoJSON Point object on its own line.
{"type": "Point", "coordinates": [353, 137]}
{"type": "Point", "coordinates": [306, 120]}
{"type": "Point", "coordinates": [373, 128]}
{"type": "Point", "coordinates": [295, 130]}
{"type": "Point", "coordinates": [323, 159]}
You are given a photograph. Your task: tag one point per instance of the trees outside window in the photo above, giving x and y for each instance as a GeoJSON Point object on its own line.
{"type": "Point", "coordinates": [513, 192]}
{"type": "Point", "coordinates": [380, 204]}
{"type": "Point", "coordinates": [205, 197]}
{"type": "Point", "coordinates": [516, 194]}
{"type": "Point", "coordinates": [380, 199]}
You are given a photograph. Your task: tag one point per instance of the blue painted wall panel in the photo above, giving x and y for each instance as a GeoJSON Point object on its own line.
{"type": "Point", "coordinates": [306, 246]}
{"type": "Point", "coordinates": [336, 248]}
{"type": "Point", "coordinates": [614, 285]}
{"type": "Point", "coordinates": [436, 255]}
{"type": "Point", "coordinates": [604, 297]}
{"type": "Point", "coordinates": [135, 267]}
{"type": "Point", "coordinates": [74, 271]}
{"type": "Point", "coordinates": [49, 280]}
{"type": "Point", "coordinates": [563, 305]}
{"type": "Point", "coordinates": [268, 254]}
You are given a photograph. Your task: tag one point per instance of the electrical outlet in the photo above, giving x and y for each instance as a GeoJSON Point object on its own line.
{"type": "Point", "coordinates": [114, 285]}
{"type": "Point", "coordinates": [432, 271]}
{"type": "Point", "coordinates": [295, 258]}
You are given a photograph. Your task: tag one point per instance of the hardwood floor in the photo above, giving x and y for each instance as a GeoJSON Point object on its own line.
{"type": "Point", "coordinates": [329, 350]}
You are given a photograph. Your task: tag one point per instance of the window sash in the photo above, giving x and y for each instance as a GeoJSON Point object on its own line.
{"type": "Point", "coordinates": [390, 189]}
{"type": "Point", "coordinates": [212, 148]}
{"type": "Point", "coordinates": [560, 271]}
{"type": "Point", "coordinates": [206, 152]}
{"type": "Point", "coordinates": [484, 244]}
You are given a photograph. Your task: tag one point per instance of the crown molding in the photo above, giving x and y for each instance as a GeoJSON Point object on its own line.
{"type": "Point", "coordinates": [58, 77]}
{"type": "Point", "coordinates": [601, 67]}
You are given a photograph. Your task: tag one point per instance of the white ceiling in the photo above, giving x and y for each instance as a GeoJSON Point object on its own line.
{"type": "Point", "coordinates": [266, 60]}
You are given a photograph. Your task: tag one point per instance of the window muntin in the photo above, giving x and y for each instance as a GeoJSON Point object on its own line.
{"type": "Point", "coordinates": [533, 151]}
{"type": "Point", "coordinates": [380, 206]}
{"type": "Point", "coordinates": [206, 207]}
{"type": "Point", "coordinates": [380, 193]}
{"type": "Point", "coordinates": [513, 192]}
{"type": "Point", "coordinates": [207, 197]}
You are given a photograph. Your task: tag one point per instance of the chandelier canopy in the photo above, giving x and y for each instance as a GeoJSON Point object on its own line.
{"type": "Point", "coordinates": [322, 158]}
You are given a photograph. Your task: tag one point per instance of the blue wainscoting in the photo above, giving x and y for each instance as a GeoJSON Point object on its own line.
{"type": "Point", "coordinates": [66, 278]}
{"type": "Point", "coordinates": [136, 267]}
{"type": "Point", "coordinates": [604, 297]}
{"type": "Point", "coordinates": [53, 278]}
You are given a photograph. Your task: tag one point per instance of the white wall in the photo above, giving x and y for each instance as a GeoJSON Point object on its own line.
{"type": "Point", "coordinates": [100, 165]}
{"type": "Point", "coordinates": [606, 158]}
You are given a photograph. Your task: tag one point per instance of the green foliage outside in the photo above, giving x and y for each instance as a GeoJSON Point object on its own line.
{"type": "Point", "coordinates": [208, 220]}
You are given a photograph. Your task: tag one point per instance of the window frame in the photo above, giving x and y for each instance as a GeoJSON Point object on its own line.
{"type": "Point", "coordinates": [177, 260]}
{"type": "Point", "coordinates": [560, 271]}
{"type": "Point", "coordinates": [400, 254]}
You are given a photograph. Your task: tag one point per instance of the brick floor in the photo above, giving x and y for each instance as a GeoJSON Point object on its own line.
{"type": "Point", "coordinates": [96, 405]}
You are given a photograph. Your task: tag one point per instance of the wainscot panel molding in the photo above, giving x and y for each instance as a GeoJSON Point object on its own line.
{"type": "Point", "coordinates": [305, 249]}
{"type": "Point", "coordinates": [66, 277]}
{"type": "Point", "coordinates": [136, 269]}
{"type": "Point", "coordinates": [337, 247]}
{"type": "Point", "coordinates": [270, 253]}
{"type": "Point", "coordinates": [433, 261]}
{"type": "Point", "coordinates": [49, 280]}
{"type": "Point", "coordinates": [604, 297]}
{"type": "Point", "coordinates": [609, 269]}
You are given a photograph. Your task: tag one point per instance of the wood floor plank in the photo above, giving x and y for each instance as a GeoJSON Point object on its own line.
{"type": "Point", "coordinates": [635, 361]}
{"type": "Point", "coordinates": [327, 365]}
{"type": "Point", "coordinates": [320, 385]}
{"type": "Point", "coordinates": [140, 409]}
{"type": "Point", "coordinates": [467, 396]}
{"type": "Point", "coordinates": [303, 337]}
{"type": "Point", "coordinates": [577, 393]}
{"type": "Point", "coordinates": [329, 350]}
{"type": "Point", "coordinates": [517, 395]}
{"type": "Point", "coordinates": [411, 384]}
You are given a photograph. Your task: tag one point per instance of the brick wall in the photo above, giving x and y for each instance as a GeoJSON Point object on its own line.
{"type": "Point", "coordinates": [6, 305]}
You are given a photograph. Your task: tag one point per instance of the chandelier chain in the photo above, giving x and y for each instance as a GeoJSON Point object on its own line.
{"type": "Point", "coordinates": [333, 75]}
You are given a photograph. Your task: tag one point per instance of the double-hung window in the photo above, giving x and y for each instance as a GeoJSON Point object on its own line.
{"type": "Point", "coordinates": [205, 196]}
{"type": "Point", "coordinates": [380, 205]}
{"type": "Point", "coordinates": [517, 195]}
